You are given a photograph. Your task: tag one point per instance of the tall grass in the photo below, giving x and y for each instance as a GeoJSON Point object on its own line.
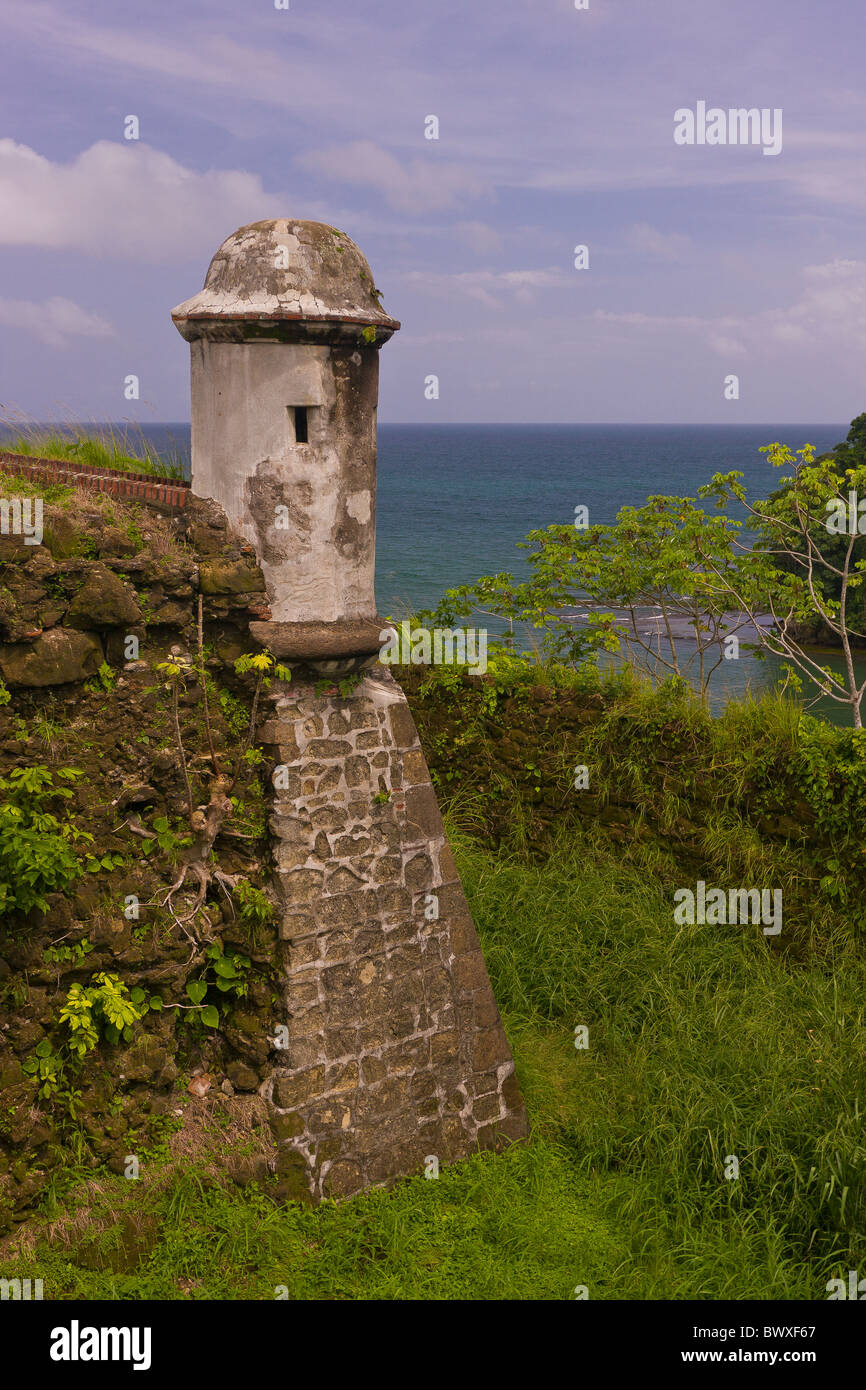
{"type": "Point", "coordinates": [106, 447]}
{"type": "Point", "coordinates": [702, 1046]}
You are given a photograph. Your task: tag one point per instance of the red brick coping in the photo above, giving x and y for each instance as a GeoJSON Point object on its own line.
{"type": "Point", "coordinates": [144, 487]}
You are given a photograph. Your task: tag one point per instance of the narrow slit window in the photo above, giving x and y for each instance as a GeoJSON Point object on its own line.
{"type": "Point", "coordinates": [299, 413]}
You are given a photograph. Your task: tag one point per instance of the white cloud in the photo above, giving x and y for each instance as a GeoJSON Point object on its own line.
{"type": "Point", "coordinates": [419, 186]}
{"type": "Point", "coordinates": [829, 314]}
{"type": "Point", "coordinates": [480, 237]}
{"type": "Point", "coordinates": [54, 321]}
{"type": "Point", "coordinates": [494, 288]}
{"type": "Point", "coordinates": [124, 201]}
{"type": "Point", "coordinates": [668, 246]}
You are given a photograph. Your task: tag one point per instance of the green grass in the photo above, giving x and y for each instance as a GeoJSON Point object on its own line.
{"type": "Point", "coordinates": [703, 1043]}
{"type": "Point", "coordinates": [13, 485]}
{"type": "Point", "coordinates": [105, 449]}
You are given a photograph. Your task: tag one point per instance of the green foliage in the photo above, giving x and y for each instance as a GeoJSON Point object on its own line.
{"type": "Point", "coordinates": [234, 712]}
{"type": "Point", "coordinates": [47, 730]}
{"type": "Point", "coordinates": [45, 1066]}
{"type": "Point", "coordinates": [177, 670]}
{"type": "Point", "coordinates": [255, 907]}
{"type": "Point", "coordinates": [102, 1009]}
{"type": "Point", "coordinates": [716, 1045]}
{"type": "Point", "coordinates": [5, 697]}
{"type": "Point", "coordinates": [107, 862]}
{"type": "Point", "coordinates": [668, 554]}
{"type": "Point", "coordinates": [691, 567]}
{"type": "Point", "coordinates": [831, 773]}
{"type": "Point", "coordinates": [227, 973]}
{"type": "Point", "coordinates": [167, 839]}
{"type": "Point", "coordinates": [251, 813]}
{"type": "Point", "coordinates": [806, 568]}
{"type": "Point", "coordinates": [36, 853]}
{"type": "Point", "coordinates": [107, 676]}
{"type": "Point", "coordinates": [230, 969]}
{"type": "Point", "coordinates": [263, 665]}
{"type": "Point", "coordinates": [73, 955]}
{"type": "Point", "coordinates": [135, 533]}
{"type": "Point", "coordinates": [800, 508]}
{"type": "Point", "coordinates": [762, 794]}
{"type": "Point", "coordinates": [700, 1044]}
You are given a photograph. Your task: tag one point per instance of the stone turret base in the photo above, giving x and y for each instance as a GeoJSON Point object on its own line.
{"type": "Point", "coordinates": [394, 1049]}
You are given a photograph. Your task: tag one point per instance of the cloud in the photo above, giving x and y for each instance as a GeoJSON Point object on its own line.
{"type": "Point", "coordinates": [419, 186]}
{"type": "Point", "coordinates": [54, 321]}
{"type": "Point", "coordinates": [494, 288]}
{"type": "Point", "coordinates": [667, 246]}
{"type": "Point", "coordinates": [479, 237]}
{"type": "Point", "coordinates": [830, 311]}
{"type": "Point", "coordinates": [124, 201]}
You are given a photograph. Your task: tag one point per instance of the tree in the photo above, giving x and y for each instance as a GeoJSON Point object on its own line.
{"type": "Point", "coordinates": [652, 557]}
{"type": "Point", "coordinates": [807, 561]}
{"type": "Point", "coordinates": [850, 454]}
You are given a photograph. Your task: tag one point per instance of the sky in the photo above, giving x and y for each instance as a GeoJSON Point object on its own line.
{"type": "Point", "coordinates": [556, 129]}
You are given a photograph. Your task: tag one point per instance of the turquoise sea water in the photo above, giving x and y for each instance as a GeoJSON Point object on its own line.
{"type": "Point", "coordinates": [454, 500]}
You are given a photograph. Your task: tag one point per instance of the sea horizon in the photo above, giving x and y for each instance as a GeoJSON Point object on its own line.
{"type": "Point", "coordinates": [455, 500]}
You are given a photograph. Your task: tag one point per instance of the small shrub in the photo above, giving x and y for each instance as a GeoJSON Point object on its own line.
{"type": "Point", "coordinates": [36, 853]}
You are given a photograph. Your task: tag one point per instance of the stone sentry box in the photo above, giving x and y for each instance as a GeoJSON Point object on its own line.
{"type": "Point", "coordinates": [395, 1050]}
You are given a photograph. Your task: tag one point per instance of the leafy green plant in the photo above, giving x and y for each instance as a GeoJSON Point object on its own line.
{"type": "Point", "coordinates": [228, 973]}
{"type": "Point", "coordinates": [806, 567]}
{"type": "Point", "coordinates": [74, 954]}
{"type": "Point", "coordinates": [104, 1008]}
{"type": "Point", "coordinates": [93, 863]}
{"type": "Point", "coordinates": [46, 1067]}
{"type": "Point", "coordinates": [256, 909]}
{"type": "Point", "coordinates": [231, 969]}
{"type": "Point", "coordinates": [36, 853]}
{"type": "Point", "coordinates": [107, 677]}
{"type": "Point", "coordinates": [234, 712]}
{"type": "Point", "coordinates": [166, 838]}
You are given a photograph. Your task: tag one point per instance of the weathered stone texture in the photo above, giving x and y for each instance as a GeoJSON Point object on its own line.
{"type": "Point", "coordinates": [395, 1046]}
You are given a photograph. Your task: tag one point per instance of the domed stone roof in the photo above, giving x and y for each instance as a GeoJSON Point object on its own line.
{"type": "Point", "coordinates": [288, 272]}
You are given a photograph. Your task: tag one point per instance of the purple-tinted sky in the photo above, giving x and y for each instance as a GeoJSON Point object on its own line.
{"type": "Point", "coordinates": [555, 128]}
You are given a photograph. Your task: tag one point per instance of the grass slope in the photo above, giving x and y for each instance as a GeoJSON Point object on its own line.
{"type": "Point", "coordinates": [106, 450]}
{"type": "Point", "coordinates": [702, 1044]}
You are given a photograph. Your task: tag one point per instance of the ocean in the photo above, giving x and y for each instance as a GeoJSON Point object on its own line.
{"type": "Point", "coordinates": [454, 500]}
